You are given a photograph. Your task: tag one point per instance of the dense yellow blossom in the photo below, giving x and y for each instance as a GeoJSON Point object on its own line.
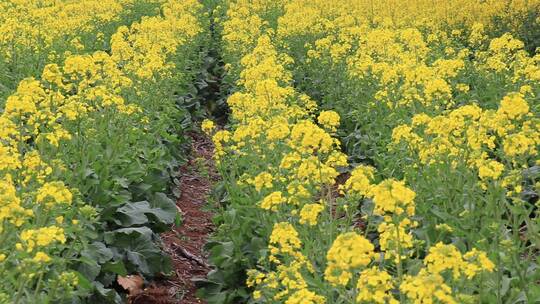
{"type": "Point", "coordinates": [470, 133]}
{"type": "Point", "coordinates": [144, 48]}
{"type": "Point", "coordinates": [427, 287]}
{"type": "Point", "coordinates": [42, 237]}
{"type": "Point", "coordinates": [513, 106]}
{"type": "Point", "coordinates": [263, 180]}
{"type": "Point", "coordinates": [310, 170]}
{"type": "Point", "coordinates": [306, 137]}
{"type": "Point", "coordinates": [304, 296]}
{"type": "Point", "coordinates": [25, 22]}
{"type": "Point", "coordinates": [309, 213]}
{"type": "Point", "coordinates": [254, 277]}
{"type": "Point", "coordinates": [360, 180]}
{"type": "Point", "coordinates": [207, 126]}
{"type": "Point", "coordinates": [10, 204]}
{"type": "Point", "coordinates": [42, 214]}
{"type": "Point", "coordinates": [439, 13]}
{"type": "Point", "coordinates": [272, 201]}
{"type": "Point", "coordinates": [476, 261]}
{"type": "Point", "coordinates": [329, 120]}
{"type": "Point", "coordinates": [391, 196]}
{"type": "Point", "coordinates": [41, 257]}
{"type": "Point", "coordinates": [489, 169]}
{"type": "Point", "coordinates": [291, 280]}
{"type": "Point", "coordinates": [284, 239]}
{"type": "Point", "coordinates": [374, 286]}
{"type": "Point", "coordinates": [396, 240]}
{"type": "Point", "coordinates": [54, 193]}
{"type": "Point", "coordinates": [411, 68]}
{"type": "Point", "coordinates": [349, 251]}
{"type": "Point", "coordinates": [442, 257]}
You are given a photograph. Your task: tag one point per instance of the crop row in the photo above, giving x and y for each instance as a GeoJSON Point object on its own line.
{"type": "Point", "coordinates": [437, 199]}
{"type": "Point", "coordinates": [87, 152]}
{"type": "Point", "coordinates": [35, 33]}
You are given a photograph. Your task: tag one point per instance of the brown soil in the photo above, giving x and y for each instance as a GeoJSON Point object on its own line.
{"type": "Point", "coordinates": [358, 222]}
{"type": "Point", "coordinates": [185, 243]}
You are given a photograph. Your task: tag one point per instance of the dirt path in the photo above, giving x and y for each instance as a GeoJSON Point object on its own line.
{"type": "Point", "coordinates": [185, 243]}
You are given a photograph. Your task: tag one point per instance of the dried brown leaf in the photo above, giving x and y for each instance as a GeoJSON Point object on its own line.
{"type": "Point", "coordinates": [132, 283]}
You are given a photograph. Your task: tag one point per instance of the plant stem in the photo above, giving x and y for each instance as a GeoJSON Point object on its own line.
{"type": "Point", "coordinates": [38, 285]}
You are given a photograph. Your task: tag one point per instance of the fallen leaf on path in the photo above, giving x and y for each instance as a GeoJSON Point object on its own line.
{"type": "Point", "coordinates": [132, 283]}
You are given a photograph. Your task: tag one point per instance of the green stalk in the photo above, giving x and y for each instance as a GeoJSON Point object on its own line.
{"type": "Point", "coordinates": [399, 264]}
{"type": "Point", "coordinates": [19, 291]}
{"type": "Point", "coordinates": [38, 285]}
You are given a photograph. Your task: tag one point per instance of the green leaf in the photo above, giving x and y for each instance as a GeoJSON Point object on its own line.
{"type": "Point", "coordinates": [160, 209]}
{"type": "Point", "coordinates": [164, 208]}
{"type": "Point", "coordinates": [89, 268]}
{"type": "Point", "coordinates": [98, 252]}
{"type": "Point", "coordinates": [117, 267]}
{"type": "Point", "coordinates": [132, 214]}
{"type": "Point", "coordinates": [109, 295]}
{"type": "Point", "coordinates": [122, 181]}
{"type": "Point", "coordinates": [137, 245]}
{"type": "Point", "coordinates": [83, 282]}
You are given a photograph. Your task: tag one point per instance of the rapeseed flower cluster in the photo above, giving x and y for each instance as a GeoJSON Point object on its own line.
{"type": "Point", "coordinates": [281, 158]}
{"type": "Point", "coordinates": [275, 127]}
{"type": "Point", "coordinates": [374, 286]}
{"type": "Point", "coordinates": [442, 96]}
{"type": "Point", "coordinates": [34, 33]}
{"type": "Point", "coordinates": [43, 219]}
{"type": "Point", "coordinates": [349, 251]}
{"type": "Point", "coordinates": [479, 138]}
{"type": "Point", "coordinates": [26, 22]}
{"type": "Point", "coordinates": [394, 203]}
